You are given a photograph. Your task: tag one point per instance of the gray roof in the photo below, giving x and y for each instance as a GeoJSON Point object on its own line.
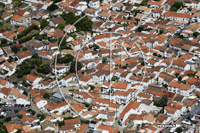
{"type": "Point", "coordinates": [58, 95]}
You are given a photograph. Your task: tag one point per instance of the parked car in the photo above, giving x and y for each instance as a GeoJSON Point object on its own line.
{"type": "Point", "coordinates": [186, 121]}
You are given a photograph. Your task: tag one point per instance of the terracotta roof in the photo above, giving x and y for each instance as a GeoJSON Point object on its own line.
{"type": "Point", "coordinates": [78, 107]}
{"type": "Point", "coordinates": [17, 18]}
{"type": "Point", "coordinates": [28, 118]}
{"type": "Point", "coordinates": [143, 95]}
{"type": "Point", "coordinates": [58, 20]}
{"type": "Point", "coordinates": [5, 90]}
{"type": "Point", "coordinates": [72, 121]}
{"type": "Point", "coordinates": [131, 105]}
{"type": "Point", "coordinates": [149, 117]}
{"type": "Point", "coordinates": [20, 12]}
{"type": "Point", "coordinates": [108, 128]}
{"type": "Point", "coordinates": [38, 99]}
{"type": "Point", "coordinates": [3, 81]}
{"type": "Point", "coordinates": [31, 77]}
{"type": "Point", "coordinates": [178, 15]}
{"type": "Point", "coordinates": [24, 54]}
{"type": "Point", "coordinates": [12, 127]}
{"type": "Point", "coordinates": [121, 85]}
{"type": "Point", "coordinates": [6, 15]}
{"type": "Point", "coordinates": [23, 112]}
{"type": "Point", "coordinates": [20, 29]}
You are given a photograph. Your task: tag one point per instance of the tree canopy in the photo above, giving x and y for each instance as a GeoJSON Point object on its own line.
{"type": "Point", "coordinates": [73, 65]}
{"type": "Point", "coordinates": [84, 24]}
{"type": "Point", "coordinates": [162, 102]}
{"type": "Point", "coordinates": [176, 6]}
{"type": "Point", "coordinates": [52, 7]}
{"type": "Point", "coordinates": [44, 23]}
{"type": "Point", "coordinates": [67, 58]}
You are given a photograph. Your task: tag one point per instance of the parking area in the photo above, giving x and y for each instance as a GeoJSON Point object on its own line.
{"type": "Point", "coordinates": [12, 110]}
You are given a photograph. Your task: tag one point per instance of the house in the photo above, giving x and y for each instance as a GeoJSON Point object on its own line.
{"type": "Point", "coordinates": [53, 46]}
{"type": "Point", "coordinates": [7, 16]}
{"type": "Point", "coordinates": [22, 100]}
{"type": "Point", "coordinates": [76, 122]}
{"type": "Point", "coordinates": [168, 4]}
{"type": "Point", "coordinates": [69, 28]}
{"type": "Point", "coordinates": [14, 94]}
{"type": "Point", "coordinates": [56, 108]}
{"type": "Point", "coordinates": [23, 113]}
{"type": "Point", "coordinates": [47, 125]}
{"type": "Point", "coordinates": [122, 96]}
{"type": "Point", "coordinates": [46, 84]}
{"type": "Point", "coordinates": [40, 102]}
{"type": "Point", "coordinates": [181, 65]}
{"type": "Point", "coordinates": [66, 81]}
{"type": "Point", "coordinates": [58, 69]}
{"type": "Point", "coordinates": [157, 13]}
{"type": "Point", "coordinates": [144, 10]}
{"type": "Point", "coordinates": [13, 128]}
{"type": "Point", "coordinates": [4, 83]}
{"type": "Point", "coordinates": [118, 7]}
{"type": "Point", "coordinates": [77, 109]}
{"type": "Point", "coordinates": [177, 16]}
{"type": "Point", "coordinates": [4, 92]}
{"type": "Point", "coordinates": [9, 35]}
{"type": "Point", "coordinates": [23, 56]}
{"type": "Point", "coordinates": [16, 20]}
{"type": "Point", "coordinates": [106, 128]}
{"type": "Point", "coordinates": [121, 86]}
{"type": "Point", "coordinates": [90, 12]}
{"type": "Point", "coordinates": [86, 79]}
{"type": "Point", "coordinates": [76, 45]}
{"type": "Point", "coordinates": [56, 21]}
{"type": "Point", "coordinates": [33, 79]}
{"type": "Point", "coordinates": [94, 4]}
{"type": "Point", "coordinates": [29, 120]}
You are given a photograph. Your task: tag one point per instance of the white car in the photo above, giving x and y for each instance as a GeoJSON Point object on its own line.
{"type": "Point", "coordinates": [3, 114]}
{"type": "Point", "coordinates": [186, 121]}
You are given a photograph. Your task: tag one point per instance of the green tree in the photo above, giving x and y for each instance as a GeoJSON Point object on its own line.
{"type": "Point", "coordinates": [44, 68]}
{"type": "Point", "coordinates": [19, 131]}
{"type": "Point", "coordinates": [52, 7]}
{"type": "Point", "coordinates": [56, 1]}
{"type": "Point", "coordinates": [179, 78]}
{"type": "Point", "coordinates": [73, 65]}
{"type": "Point", "coordinates": [10, 59]}
{"type": "Point", "coordinates": [179, 130]}
{"type": "Point", "coordinates": [44, 23]}
{"type": "Point", "coordinates": [35, 55]}
{"type": "Point", "coordinates": [46, 95]}
{"type": "Point", "coordinates": [33, 112]}
{"type": "Point", "coordinates": [63, 41]}
{"type": "Point", "coordinates": [25, 49]}
{"type": "Point", "coordinates": [176, 6]}
{"type": "Point", "coordinates": [14, 49]}
{"type": "Point", "coordinates": [195, 34]}
{"type": "Point", "coordinates": [67, 58]}
{"type": "Point", "coordinates": [25, 93]}
{"type": "Point", "coordinates": [104, 60]}
{"type": "Point", "coordinates": [3, 41]}
{"type": "Point", "coordinates": [7, 119]}
{"type": "Point", "coordinates": [160, 56]}
{"type": "Point", "coordinates": [155, 54]}
{"type": "Point", "coordinates": [139, 29]}
{"type": "Point", "coordinates": [162, 102]}
{"type": "Point", "coordinates": [91, 86]}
